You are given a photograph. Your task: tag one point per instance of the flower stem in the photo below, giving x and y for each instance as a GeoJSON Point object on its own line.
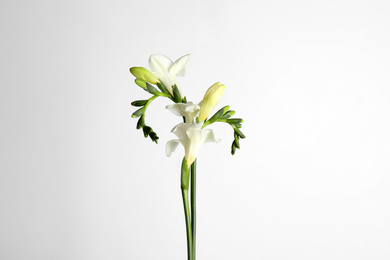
{"type": "Point", "coordinates": [184, 193]}
{"type": "Point", "coordinates": [185, 180]}
{"type": "Point", "coordinates": [193, 208]}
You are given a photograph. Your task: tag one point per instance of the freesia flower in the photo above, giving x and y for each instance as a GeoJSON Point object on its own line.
{"type": "Point", "coordinates": [192, 137]}
{"type": "Point", "coordinates": [166, 70]}
{"type": "Point", "coordinates": [211, 98]}
{"type": "Point", "coordinates": [189, 110]}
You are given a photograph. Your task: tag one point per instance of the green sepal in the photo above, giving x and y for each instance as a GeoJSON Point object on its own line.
{"type": "Point", "coordinates": [138, 113]}
{"type": "Point", "coordinates": [152, 90]}
{"type": "Point", "coordinates": [184, 100]}
{"type": "Point", "coordinates": [176, 94]}
{"type": "Point", "coordinates": [185, 174]}
{"type": "Point", "coordinates": [141, 122]}
{"type": "Point", "coordinates": [162, 88]}
{"type": "Point", "coordinates": [139, 103]}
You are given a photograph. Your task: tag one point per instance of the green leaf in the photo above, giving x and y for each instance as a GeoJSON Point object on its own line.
{"type": "Point", "coordinates": [139, 103]}
{"type": "Point", "coordinates": [138, 113]}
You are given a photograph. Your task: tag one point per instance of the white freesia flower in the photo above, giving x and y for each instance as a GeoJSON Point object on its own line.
{"type": "Point", "coordinates": [189, 110]}
{"type": "Point", "coordinates": [192, 137]}
{"type": "Point", "coordinates": [166, 70]}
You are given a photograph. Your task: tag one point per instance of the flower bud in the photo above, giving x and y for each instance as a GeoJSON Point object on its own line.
{"type": "Point", "coordinates": [211, 98]}
{"type": "Point", "coordinates": [144, 74]}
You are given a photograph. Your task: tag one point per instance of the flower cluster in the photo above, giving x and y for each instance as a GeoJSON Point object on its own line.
{"type": "Point", "coordinates": [191, 133]}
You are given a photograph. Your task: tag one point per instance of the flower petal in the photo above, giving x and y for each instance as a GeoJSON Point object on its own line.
{"type": "Point", "coordinates": [180, 131]}
{"type": "Point", "coordinates": [159, 63]}
{"type": "Point", "coordinates": [178, 68]}
{"type": "Point", "coordinates": [171, 146]}
{"type": "Point", "coordinates": [189, 110]}
{"type": "Point", "coordinates": [208, 136]}
{"type": "Point", "coordinates": [175, 109]}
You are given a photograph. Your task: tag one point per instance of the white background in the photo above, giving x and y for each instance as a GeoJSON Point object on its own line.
{"type": "Point", "coordinates": [310, 78]}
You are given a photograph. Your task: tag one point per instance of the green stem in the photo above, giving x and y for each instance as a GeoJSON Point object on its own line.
{"type": "Point", "coordinates": [185, 180]}
{"type": "Point", "coordinates": [193, 208]}
{"type": "Point", "coordinates": [184, 193]}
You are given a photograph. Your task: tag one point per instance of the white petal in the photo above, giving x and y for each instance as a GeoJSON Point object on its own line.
{"type": "Point", "coordinates": [189, 110]}
{"type": "Point", "coordinates": [159, 63]}
{"type": "Point", "coordinates": [178, 68]}
{"type": "Point", "coordinates": [208, 136]}
{"type": "Point", "coordinates": [171, 146]}
{"type": "Point", "coordinates": [175, 109]}
{"type": "Point", "coordinates": [195, 143]}
{"type": "Point", "coordinates": [180, 131]}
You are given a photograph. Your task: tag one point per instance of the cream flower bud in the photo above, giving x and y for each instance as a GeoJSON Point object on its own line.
{"type": "Point", "coordinates": [211, 98]}
{"type": "Point", "coordinates": [144, 74]}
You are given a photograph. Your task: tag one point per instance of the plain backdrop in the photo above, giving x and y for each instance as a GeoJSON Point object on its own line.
{"type": "Point", "coordinates": [310, 78]}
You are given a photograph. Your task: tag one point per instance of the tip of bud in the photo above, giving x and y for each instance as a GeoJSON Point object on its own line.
{"type": "Point", "coordinates": [211, 98]}
{"type": "Point", "coordinates": [144, 74]}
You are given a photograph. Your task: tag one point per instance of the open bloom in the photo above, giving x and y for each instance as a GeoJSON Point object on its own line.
{"type": "Point", "coordinates": [192, 137]}
{"type": "Point", "coordinates": [166, 70]}
{"type": "Point", "coordinates": [188, 110]}
{"type": "Point", "coordinates": [211, 98]}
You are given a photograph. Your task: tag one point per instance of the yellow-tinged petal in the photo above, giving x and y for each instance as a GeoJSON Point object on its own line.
{"type": "Point", "coordinates": [211, 98]}
{"type": "Point", "coordinates": [144, 74]}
